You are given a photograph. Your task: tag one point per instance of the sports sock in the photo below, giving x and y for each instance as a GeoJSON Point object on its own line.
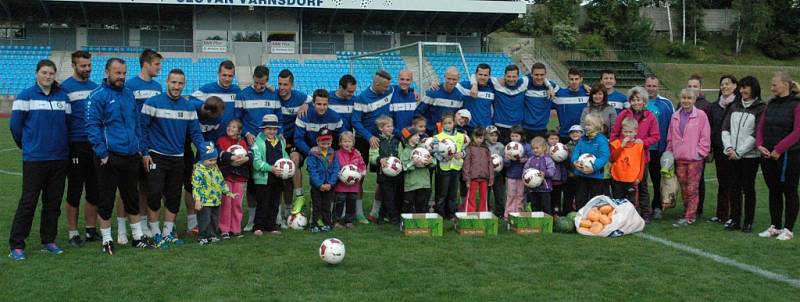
{"type": "Point", "coordinates": [359, 207]}
{"type": "Point", "coordinates": [191, 221]}
{"type": "Point", "coordinates": [121, 222]}
{"type": "Point", "coordinates": [168, 227]}
{"type": "Point", "coordinates": [106, 235]}
{"type": "Point", "coordinates": [136, 230]}
{"type": "Point", "coordinates": [154, 228]}
{"type": "Point", "coordinates": [376, 208]}
{"type": "Point", "coordinates": [73, 233]}
{"type": "Point", "coordinates": [251, 215]}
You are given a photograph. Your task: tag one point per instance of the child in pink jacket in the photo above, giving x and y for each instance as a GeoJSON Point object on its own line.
{"type": "Point", "coordinates": [689, 140]}
{"type": "Point", "coordinates": [346, 195]}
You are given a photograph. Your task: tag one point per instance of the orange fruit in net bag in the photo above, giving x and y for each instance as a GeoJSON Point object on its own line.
{"type": "Point", "coordinates": [584, 229]}
{"type": "Point", "coordinates": [596, 228]}
{"type": "Point", "coordinates": [605, 220]}
{"type": "Point", "coordinates": [606, 209]}
{"type": "Point", "coordinates": [593, 214]}
{"type": "Point", "coordinates": [586, 223]}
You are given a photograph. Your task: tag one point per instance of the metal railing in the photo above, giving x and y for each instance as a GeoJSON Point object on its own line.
{"type": "Point", "coordinates": [319, 48]}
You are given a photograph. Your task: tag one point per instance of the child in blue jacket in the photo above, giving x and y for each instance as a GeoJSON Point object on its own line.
{"type": "Point", "coordinates": [323, 171]}
{"type": "Point", "coordinates": [590, 177]}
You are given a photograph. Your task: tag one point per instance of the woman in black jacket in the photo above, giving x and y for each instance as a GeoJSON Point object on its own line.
{"type": "Point", "coordinates": [728, 92]}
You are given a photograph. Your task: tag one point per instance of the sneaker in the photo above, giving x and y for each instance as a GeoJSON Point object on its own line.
{"type": "Point", "coordinates": [203, 241]}
{"type": "Point", "coordinates": [76, 241]}
{"type": "Point", "coordinates": [248, 228]}
{"type": "Point", "coordinates": [92, 235]}
{"type": "Point", "coordinates": [770, 232]}
{"type": "Point", "coordinates": [786, 234]}
{"type": "Point", "coordinates": [17, 254]}
{"type": "Point", "coordinates": [160, 242]}
{"type": "Point", "coordinates": [325, 228]}
{"type": "Point", "coordinates": [372, 219]}
{"type": "Point", "coordinates": [52, 248]}
{"type": "Point", "coordinates": [108, 248]}
{"type": "Point", "coordinates": [122, 239]}
{"type": "Point", "coordinates": [238, 235]}
{"type": "Point", "coordinates": [144, 243]}
{"type": "Point", "coordinates": [715, 219]}
{"type": "Point", "coordinates": [226, 236]}
{"type": "Point", "coordinates": [214, 239]}
{"type": "Point", "coordinates": [173, 240]}
{"type": "Point", "coordinates": [362, 220]}
{"type": "Point", "coordinates": [348, 225]}
{"type": "Point", "coordinates": [338, 226]}
{"type": "Point", "coordinates": [726, 223]}
{"type": "Point", "coordinates": [314, 229]}
{"type": "Point", "coordinates": [657, 214]}
{"type": "Point", "coordinates": [283, 225]}
{"type": "Point", "coordinates": [683, 222]}
{"type": "Point", "coordinates": [258, 233]}
{"type": "Point", "coordinates": [195, 230]}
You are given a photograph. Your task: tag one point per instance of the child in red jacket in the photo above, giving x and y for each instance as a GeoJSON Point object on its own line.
{"type": "Point", "coordinates": [346, 195]}
{"type": "Point", "coordinates": [235, 158]}
{"type": "Point", "coordinates": [478, 172]}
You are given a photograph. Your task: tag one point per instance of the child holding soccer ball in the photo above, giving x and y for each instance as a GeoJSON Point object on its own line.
{"type": "Point", "coordinates": [478, 172]}
{"type": "Point", "coordinates": [388, 146]}
{"type": "Point", "coordinates": [267, 149]}
{"type": "Point", "coordinates": [417, 184]}
{"type": "Point", "coordinates": [208, 186]}
{"type": "Point", "coordinates": [346, 195]}
{"type": "Point", "coordinates": [234, 162]}
{"type": "Point", "coordinates": [590, 176]}
{"type": "Point", "coordinates": [448, 173]}
{"type": "Point", "coordinates": [539, 197]}
{"type": "Point", "coordinates": [323, 174]}
{"type": "Point", "coordinates": [499, 187]}
{"type": "Point", "coordinates": [559, 177]}
{"type": "Point", "coordinates": [515, 188]}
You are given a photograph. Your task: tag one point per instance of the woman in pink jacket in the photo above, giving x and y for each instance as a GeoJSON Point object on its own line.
{"type": "Point", "coordinates": [647, 134]}
{"type": "Point", "coordinates": [689, 140]}
{"type": "Point", "coordinates": [346, 195]}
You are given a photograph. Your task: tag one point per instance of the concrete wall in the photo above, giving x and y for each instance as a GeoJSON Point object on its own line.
{"type": "Point", "coordinates": [714, 20]}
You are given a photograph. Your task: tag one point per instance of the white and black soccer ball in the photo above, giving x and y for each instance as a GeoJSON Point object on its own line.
{"type": "Point", "coordinates": [287, 166]}
{"type": "Point", "coordinates": [531, 178]}
{"type": "Point", "coordinates": [514, 150]}
{"type": "Point", "coordinates": [349, 175]}
{"type": "Point", "coordinates": [393, 166]}
{"type": "Point", "coordinates": [237, 150]}
{"type": "Point", "coordinates": [587, 159]}
{"type": "Point", "coordinates": [429, 143]}
{"type": "Point", "coordinates": [297, 221]}
{"type": "Point", "coordinates": [420, 155]}
{"type": "Point", "coordinates": [448, 148]}
{"type": "Point", "coordinates": [497, 163]}
{"type": "Point", "coordinates": [559, 152]}
{"type": "Point", "coordinates": [332, 251]}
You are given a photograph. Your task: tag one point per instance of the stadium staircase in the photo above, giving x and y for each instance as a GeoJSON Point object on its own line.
{"type": "Point", "coordinates": [628, 73]}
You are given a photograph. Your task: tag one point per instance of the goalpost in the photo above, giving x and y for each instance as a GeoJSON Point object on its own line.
{"type": "Point", "coordinates": [426, 60]}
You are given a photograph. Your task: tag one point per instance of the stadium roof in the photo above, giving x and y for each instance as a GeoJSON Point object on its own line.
{"type": "Point", "coordinates": [465, 6]}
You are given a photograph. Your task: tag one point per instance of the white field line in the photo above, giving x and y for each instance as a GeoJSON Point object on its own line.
{"type": "Point", "coordinates": [10, 173]}
{"type": "Point", "coordinates": [724, 260]}
{"type": "Point", "coordinates": [9, 149]}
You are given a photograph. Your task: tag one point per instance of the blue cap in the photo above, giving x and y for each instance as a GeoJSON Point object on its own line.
{"type": "Point", "coordinates": [207, 151]}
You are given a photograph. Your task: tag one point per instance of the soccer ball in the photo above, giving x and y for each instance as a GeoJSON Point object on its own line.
{"type": "Point", "coordinates": [531, 178]}
{"type": "Point", "coordinates": [514, 149]}
{"type": "Point", "coordinates": [587, 159]}
{"type": "Point", "coordinates": [448, 147]}
{"type": "Point", "coordinates": [497, 162]}
{"type": "Point", "coordinates": [237, 150]}
{"type": "Point", "coordinates": [332, 251]}
{"type": "Point", "coordinates": [420, 155]}
{"type": "Point", "coordinates": [349, 175]}
{"type": "Point", "coordinates": [287, 165]}
{"type": "Point", "coordinates": [393, 166]}
{"type": "Point", "coordinates": [429, 143]}
{"type": "Point", "coordinates": [559, 152]}
{"type": "Point", "coordinates": [297, 221]}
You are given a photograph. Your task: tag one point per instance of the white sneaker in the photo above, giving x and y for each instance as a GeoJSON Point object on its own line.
{"type": "Point", "coordinates": [284, 225]}
{"type": "Point", "coordinates": [248, 228]}
{"type": "Point", "coordinates": [770, 232]}
{"type": "Point", "coordinates": [786, 234]}
{"type": "Point", "coordinates": [122, 239]}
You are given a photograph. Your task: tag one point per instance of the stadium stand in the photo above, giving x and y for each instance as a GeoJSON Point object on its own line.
{"type": "Point", "coordinates": [95, 49]}
{"type": "Point", "coordinates": [441, 61]}
{"type": "Point", "coordinates": [17, 62]}
{"type": "Point", "coordinates": [628, 73]}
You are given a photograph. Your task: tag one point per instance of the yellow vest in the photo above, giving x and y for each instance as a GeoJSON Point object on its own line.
{"type": "Point", "coordinates": [452, 164]}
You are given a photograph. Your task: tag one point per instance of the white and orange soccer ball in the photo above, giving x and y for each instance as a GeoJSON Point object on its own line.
{"type": "Point", "coordinates": [297, 221]}
{"type": "Point", "coordinates": [559, 152]}
{"type": "Point", "coordinates": [349, 175]}
{"type": "Point", "coordinates": [514, 150]}
{"type": "Point", "coordinates": [393, 166]}
{"type": "Point", "coordinates": [448, 148]}
{"type": "Point", "coordinates": [287, 166]}
{"type": "Point", "coordinates": [497, 162]}
{"type": "Point", "coordinates": [587, 159]}
{"type": "Point", "coordinates": [420, 157]}
{"type": "Point", "coordinates": [332, 251]}
{"type": "Point", "coordinates": [237, 150]}
{"type": "Point", "coordinates": [531, 178]}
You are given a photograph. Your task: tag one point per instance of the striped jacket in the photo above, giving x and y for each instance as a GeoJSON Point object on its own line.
{"type": "Point", "coordinates": [39, 123]}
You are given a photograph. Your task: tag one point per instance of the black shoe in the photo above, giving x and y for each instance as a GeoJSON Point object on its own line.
{"type": "Point", "coordinates": [92, 235]}
{"type": "Point", "coordinates": [733, 225]}
{"type": "Point", "coordinates": [747, 228]}
{"type": "Point", "coordinates": [144, 243]}
{"type": "Point", "coordinates": [76, 241]}
{"type": "Point", "coordinates": [108, 248]}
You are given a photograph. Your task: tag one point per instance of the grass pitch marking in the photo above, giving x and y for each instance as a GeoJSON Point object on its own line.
{"type": "Point", "coordinates": [724, 260]}
{"type": "Point", "coordinates": [10, 173]}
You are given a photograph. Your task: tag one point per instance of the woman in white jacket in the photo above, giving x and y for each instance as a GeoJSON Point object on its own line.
{"type": "Point", "coordinates": [738, 139]}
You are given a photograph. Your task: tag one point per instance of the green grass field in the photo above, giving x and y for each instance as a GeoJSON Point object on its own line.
{"type": "Point", "coordinates": [382, 264]}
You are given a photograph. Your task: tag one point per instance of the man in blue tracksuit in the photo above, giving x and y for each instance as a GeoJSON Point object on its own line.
{"type": "Point", "coordinates": [342, 101]}
{"type": "Point", "coordinates": [480, 105]}
{"type": "Point", "coordinates": [143, 86]}
{"type": "Point", "coordinates": [404, 101]}
{"type": "Point", "coordinates": [509, 101]}
{"type": "Point", "coordinates": [615, 98]}
{"type": "Point", "coordinates": [112, 127]}
{"type": "Point", "coordinates": [538, 102]}
{"type": "Point", "coordinates": [663, 109]}
{"type": "Point", "coordinates": [294, 105]}
{"type": "Point", "coordinates": [255, 101]}
{"type": "Point", "coordinates": [308, 127]}
{"type": "Point", "coordinates": [39, 127]}
{"type": "Point", "coordinates": [81, 172]}
{"type": "Point", "coordinates": [165, 122]}
{"type": "Point", "coordinates": [373, 102]}
{"type": "Point", "coordinates": [435, 103]}
{"type": "Point", "coordinates": [569, 103]}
